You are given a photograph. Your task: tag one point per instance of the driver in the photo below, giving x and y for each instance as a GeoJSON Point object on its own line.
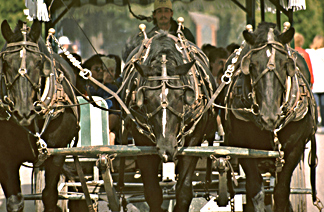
{"type": "Point", "coordinates": [162, 19]}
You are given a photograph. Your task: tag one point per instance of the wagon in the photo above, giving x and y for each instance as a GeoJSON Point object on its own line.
{"type": "Point", "coordinates": [97, 162]}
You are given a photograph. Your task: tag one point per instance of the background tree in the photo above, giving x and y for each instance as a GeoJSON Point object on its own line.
{"type": "Point", "coordinates": [109, 26]}
{"type": "Point", "coordinates": [12, 11]}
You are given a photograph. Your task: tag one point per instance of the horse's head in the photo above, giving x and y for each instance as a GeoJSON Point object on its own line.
{"type": "Point", "coordinates": [269, 64]}
{"type": "Point", "coordinates": [162, 95]}
{"type": "Point", "coordinates": [23, 69]}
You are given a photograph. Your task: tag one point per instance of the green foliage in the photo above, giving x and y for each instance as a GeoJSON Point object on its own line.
{"type": "Point", "coordinates": [311, 21]}
{"type": "Point", "coordinates": [109, 26]}
{"type": "Point", "coordinates": [12, 11]}
{"type": "Point", "coordinates": [307, 22]}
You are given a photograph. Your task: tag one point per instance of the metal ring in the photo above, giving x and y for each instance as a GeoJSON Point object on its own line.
{"type": "Point", "coordinates": [85, 73]}
{"type": "Point", "coordinates": [224, 81]}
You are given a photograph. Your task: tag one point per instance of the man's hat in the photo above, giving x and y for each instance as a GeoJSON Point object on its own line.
{"type": "Point", "coordinates": [64, 40]}
{"type": "Point", "coordinates": [162, 3]}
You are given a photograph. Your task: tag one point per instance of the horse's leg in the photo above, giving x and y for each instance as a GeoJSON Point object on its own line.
{"type": "Point", "coordinates": [53, 169]}
{"type": "Point", "coordinates": [254, 186]}
{"type": "Point", "coordinates": [10, 182]}
{"type": "Point", "coordinates": [186, 166]}
{"type": "Point", "coordinates": [149, 166]}
{"type": "Point", "coordinates": [282, 188]}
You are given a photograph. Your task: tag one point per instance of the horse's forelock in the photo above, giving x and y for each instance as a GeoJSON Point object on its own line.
{"type": "Point", "coordinates": [262, 32]}
{"type": "Point", "coordinates": [162, 44]}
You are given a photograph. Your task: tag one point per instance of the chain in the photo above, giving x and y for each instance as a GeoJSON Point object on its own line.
{"type": "Point", "coordinates": [84, 73]}
{"type": "Point", "coordinates": [232, 203]}
{"type": "Point", "coordinates": [227, 77]}
{"type": "Point", "coordinates": [280, 161]}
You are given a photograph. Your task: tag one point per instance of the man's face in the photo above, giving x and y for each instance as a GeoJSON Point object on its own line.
{"type": "Point", "coordinates": [97, 72]}
{"type": "Point", "coordinates": [109, 75]}
{"type": "Point", "coordinates": [163, 16]}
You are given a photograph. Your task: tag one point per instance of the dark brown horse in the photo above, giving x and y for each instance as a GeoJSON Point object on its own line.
{"type": "Point", "coordinates": [31, 92]}
{"type": "Point", "coordinates": [270, 106]}
{"type": "Point", "coordinates": [168, 109]}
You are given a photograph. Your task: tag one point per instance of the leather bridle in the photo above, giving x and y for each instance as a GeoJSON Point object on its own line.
{"type": "Point", "coordinates": [143, 118]}
{"type": "Point", "coordinates": [24, 47]}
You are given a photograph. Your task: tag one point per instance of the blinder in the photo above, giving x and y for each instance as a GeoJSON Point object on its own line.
{"type": "Point", "coordinates": [291, 66]}
{"type": "Point", "coordinates": [245, 64]}
{"type": "Point", "coordinates": [139, 99]}
{"type": "Point", "coordinates": [189, 96]}
{"type": "Point", "coordinates": [47, 67]}
{"type": "Point", "coordinates": [3, 91]}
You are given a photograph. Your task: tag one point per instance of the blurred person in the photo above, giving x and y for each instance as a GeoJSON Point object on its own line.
{"type": "Point", "coordinates": [206, 48]}
{"type": "Point", "coordinates": [232, 47]}
{"type": "Point", "coordinates": [162, 19]}
{"type": "Point", "coordinates": [112, 80]}
{"type": "Point", "coordinates": [65, 43]}
{"type": "Point", "coordinates": [299, 42]}
{"type": "Point", "coordinates": [106, 69]}
{"type": "Point", "coordinates": [316, 54]}
{"type": "Point", "coordinates": [217, 59]}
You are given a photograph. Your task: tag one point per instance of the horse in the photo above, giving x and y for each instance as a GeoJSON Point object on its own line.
{"type": "Point", "coordinates": [167, 110]}
{"type": "Point", "coordinates": [36, 110]}
{"type": "Point", "coordinates": [268, 105]}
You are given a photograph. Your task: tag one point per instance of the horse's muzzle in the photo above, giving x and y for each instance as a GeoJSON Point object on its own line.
{"type": "Point", "coordinates": [24, 119]}
{"type": "Point", "coordinates": [167, 155]}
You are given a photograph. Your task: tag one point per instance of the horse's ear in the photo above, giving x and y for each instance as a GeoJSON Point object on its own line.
{"type": "Point", "coordinates": [287, 36]}
{"type": "Point", "coordinates": [249, 37]}
{"type": "Point", "coordinates": [142, 69]}
{"type": "Point", "coordinates": [6, 30]}
{"type": "Point", "coordinates": [291, 67]}
{"type": "Point", "coordinates": [245, 63]}
{"type": "Point", "coordinates": [183, 69]}
{"type": "Point", "coordinates": [35, 30]}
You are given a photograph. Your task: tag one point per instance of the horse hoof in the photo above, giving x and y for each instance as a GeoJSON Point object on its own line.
{"type": "Point", "coordinates": [15, 203]}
